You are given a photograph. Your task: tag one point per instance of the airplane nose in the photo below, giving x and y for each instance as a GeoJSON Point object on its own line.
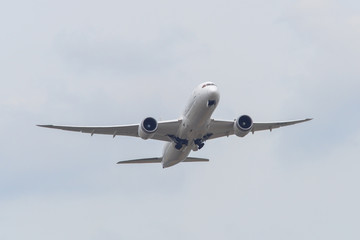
{"type": "Point", "coordinates": [213, 96]}
{"type": "Point", "coordinates": [213, 93]}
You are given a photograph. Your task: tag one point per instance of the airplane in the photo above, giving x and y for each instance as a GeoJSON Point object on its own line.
{"type": "Point", "coordinates": [188, 133]}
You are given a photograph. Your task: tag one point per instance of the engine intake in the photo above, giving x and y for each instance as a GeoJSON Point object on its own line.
{"type": "Point", "coordinates": [147, 128]}
{"type": "Point", "coordinates": [243, 125]}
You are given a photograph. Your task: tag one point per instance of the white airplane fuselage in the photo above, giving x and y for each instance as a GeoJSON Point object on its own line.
{"type": "Point", "coordinates": [194, 125]}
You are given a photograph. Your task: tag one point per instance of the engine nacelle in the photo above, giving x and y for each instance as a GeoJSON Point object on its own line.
{"type": "Point", "coordinates": [147, 128]}
{"type": "Point", "coordinates": [243, 125]}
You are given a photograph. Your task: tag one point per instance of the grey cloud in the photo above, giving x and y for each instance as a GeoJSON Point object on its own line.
{"type": "Point", "coordinates": [114, 62]}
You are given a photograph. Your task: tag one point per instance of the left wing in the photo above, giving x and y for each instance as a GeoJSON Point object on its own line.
{"type": "Point", "coordinates": [221, 128]}
{"type": "Point", "coordinates": [165, 128]}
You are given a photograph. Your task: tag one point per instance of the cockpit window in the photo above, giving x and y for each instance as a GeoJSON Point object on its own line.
{"type": "Point", "coordinates": [208, 84]}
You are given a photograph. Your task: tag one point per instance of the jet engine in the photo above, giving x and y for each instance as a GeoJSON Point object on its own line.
{"type": "Point", "coordinates": [147, 128]}
{"type": "Point", "coordinates": [243, 125]}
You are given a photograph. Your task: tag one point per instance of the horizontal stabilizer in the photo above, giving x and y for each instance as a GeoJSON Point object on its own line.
{"type": "Point", "coordinates": [142, 160]}
{"type": "Point", "coordinates": [158, 160]}
{"type": "Point", "coordinates": [192, 159]}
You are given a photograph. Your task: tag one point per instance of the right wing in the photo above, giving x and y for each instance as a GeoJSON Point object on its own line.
{"type": "Point", "coordinates": [221, 128]}
{"type": "Point", "coordinates": [271, 126]}
{"type": "Point", "coordinates": [165, 128]}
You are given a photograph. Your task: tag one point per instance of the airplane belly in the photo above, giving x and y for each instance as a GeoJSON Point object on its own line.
{"type": "Point", "coordinates": [173, 156]}
{"type": "Point", "coordinates": [195, 126]}
{"type": "Point", "coordinates": [192, 130]}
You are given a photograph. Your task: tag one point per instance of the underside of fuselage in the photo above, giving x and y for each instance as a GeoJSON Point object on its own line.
{"type": "Point", "coordinates": [192, 132]}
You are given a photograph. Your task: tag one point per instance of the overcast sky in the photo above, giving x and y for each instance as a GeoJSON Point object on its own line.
{"type": "Point", "coordinates": [116, 62]}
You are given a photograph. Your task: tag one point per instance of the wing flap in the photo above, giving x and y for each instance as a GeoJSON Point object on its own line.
{"type": "Point", "coordinates": [221, 128]}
